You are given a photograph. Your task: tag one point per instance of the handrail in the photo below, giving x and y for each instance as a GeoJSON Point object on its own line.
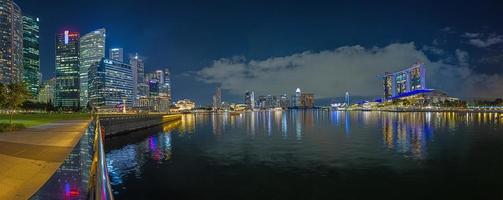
{"type": "Point", "coordinates": [99, 183]}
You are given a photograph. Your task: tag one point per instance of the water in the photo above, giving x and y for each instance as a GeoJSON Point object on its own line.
{"type": "Point", "coordinates": [312, 155]}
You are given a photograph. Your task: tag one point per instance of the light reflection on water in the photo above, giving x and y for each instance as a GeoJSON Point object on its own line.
{"type": "Point", "coordinates": [314, 144]}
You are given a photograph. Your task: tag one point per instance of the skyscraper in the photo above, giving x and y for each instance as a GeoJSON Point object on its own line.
{"type": "Point", "coordinates": [67, 70]}
{"type": "Point", "coordinates": [116, 54]}
{"type": "Point", "coordinates": [347, 101]}
{"type": "Point", "coordinates": [110, 84]}
{"type": "Point", "coordinates": [165, 89]}
{"type": "Point", "coordinates": [92, 50]}
{"type": "Point", "coordinates": [137, 63]}
{"type": "Point", "coordinates": [250, 99]}
{"type": "Point", "coordinates": [11, 42]}
{"type": "Point", "coordinates": [296, 98]}
{"type": "Point", "coordinates": [404, 81]}
{"type": "Point", "coordinates": [217, 99]}
{"type": "Point", "coordinates": [31, 55]}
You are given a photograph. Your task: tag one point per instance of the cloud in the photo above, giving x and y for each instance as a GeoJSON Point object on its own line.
{"type": "Point", "coordinates": [472, 35]}
{"type": "Point", "coordinates": [433, 50]}
{"type": "Point", "coordinates": [355, 69]}
{"type": "Point", "coordinates": [489, 41]}
{"type": "Point", "coordinates": [462, 57]}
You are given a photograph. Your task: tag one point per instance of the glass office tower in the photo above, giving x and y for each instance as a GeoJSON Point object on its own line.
{"type": "Point", "coordinates": [67, 70]}
{"type": "Point", "coordinates": [31, 54]}
{"type": "Point", "coordinates": [92, 50]}
{"type": "Point", "coordinates": [110, 84]}
{"type": "Point", "coordinates": [11, 42]}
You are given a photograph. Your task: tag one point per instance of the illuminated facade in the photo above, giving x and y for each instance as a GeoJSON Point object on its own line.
{"type": "Point", "coordinates": [116, 54]}
{"type": "Point", "coordinates": [404, 81]}
{"type": "Point", "coordinates": [217, 99]}
{"type": "Point", "coordinates": [11, 42]}
{"type": "Point", "coordinates": [250, 99]}
{"type": "Point", "coordinates": [67, 70]}
{"type": "Point", "coordinates": [31, 55]}
{"type": "Point", "coordinates": [92, 50]}
{"type": "Point", "coordinates": [185, 105]}
{"type": "Point", "coordinates": [110, 84]}
{"type": "Point", "coordinates": [136, 61]}
{"type": "Point", "coordinates": [306, 100]}
{"type": "Point", "coordinates": [46, 94]}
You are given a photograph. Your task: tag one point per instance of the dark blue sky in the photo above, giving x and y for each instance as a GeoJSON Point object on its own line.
{"type": "Point", "coordinates": [187, 36]}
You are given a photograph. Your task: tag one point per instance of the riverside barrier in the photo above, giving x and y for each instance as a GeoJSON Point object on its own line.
{"type": "Point", "coordinates": [121, 124]}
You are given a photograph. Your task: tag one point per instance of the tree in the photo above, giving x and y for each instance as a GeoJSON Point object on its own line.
{"type": "Point", "coordinates": [3, 96]}
{"type": "Point", "coordinates": [16, 95]}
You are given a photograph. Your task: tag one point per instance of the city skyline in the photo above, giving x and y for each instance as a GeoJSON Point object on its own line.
{"type": "Point", "coordinates": [470, 59]}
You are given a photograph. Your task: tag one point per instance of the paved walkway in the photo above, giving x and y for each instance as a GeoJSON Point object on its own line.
{"type": "Point", "coordinates": [29, 157]}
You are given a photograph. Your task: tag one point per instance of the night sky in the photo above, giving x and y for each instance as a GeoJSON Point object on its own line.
{"type": "Point", "coordinates": [273, 47]}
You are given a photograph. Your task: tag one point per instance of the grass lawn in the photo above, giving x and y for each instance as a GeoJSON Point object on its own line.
{"type": "Point", "coordinates": [28, 120]}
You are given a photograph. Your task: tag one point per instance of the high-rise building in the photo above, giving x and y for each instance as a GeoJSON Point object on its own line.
{"type": "Point", "coordinates": [110, 84]}
{"type": "Point", "coordinates": [306, 100]}
{"type": "Point", "coordinates": [347, 101]}
{"type": "Point", "coordinates": [165, 88]}
{"type": "Point", "coordinates": [283, 101]}
{"type": "Point", "coordinates": [92, 50]}
{"type": "Point", "coordinates": [296, 98]}
{"type": "Point", "coordinates": [217, 99]}
{"type": "Point", "coordinates": [46, 94]}
{"type": "Point", "coordinates": [11, 42]}
{"type": "Point", "coordinates": [31, 55]}
{"type": "Point", "coordinates": [116, 54]}
{"type": "Point", "coordinates": [402, 82]}
{"type": "Point", "coordinates": [137, 63]}
{"type": "Point", "coordinates": [67, 70]}
{"type": "Point", "coordinates": [250, 100]}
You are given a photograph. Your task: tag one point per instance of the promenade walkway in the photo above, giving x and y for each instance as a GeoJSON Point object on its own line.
{"type": "Point", "coordinates": [29, 157]}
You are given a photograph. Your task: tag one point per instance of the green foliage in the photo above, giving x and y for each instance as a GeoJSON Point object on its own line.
{"type": "Point", "coordinates": [16, 94]}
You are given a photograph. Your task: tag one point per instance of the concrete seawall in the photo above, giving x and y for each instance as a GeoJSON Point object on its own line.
{"type": "Point", "coordinates": [121, 124]}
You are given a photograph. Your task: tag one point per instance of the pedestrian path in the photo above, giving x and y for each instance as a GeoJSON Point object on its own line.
{"type": "Point", "coordinates": [29, 157]}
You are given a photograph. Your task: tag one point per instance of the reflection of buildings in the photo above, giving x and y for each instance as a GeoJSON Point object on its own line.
{"type": "Point", "coordinates": [188, 123]}
{"type": "Point", "coordinates": [407, 133]}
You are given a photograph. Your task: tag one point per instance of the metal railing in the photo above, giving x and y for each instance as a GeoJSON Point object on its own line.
{"type": "Point", "coordinates": [99, 183]}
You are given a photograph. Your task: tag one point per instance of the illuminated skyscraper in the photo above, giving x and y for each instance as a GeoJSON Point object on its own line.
{"type": "Point", "coordinates": [296, 98]}
{"type": "Point", "coordinates": [67, 70]}
{"type": "Point", "coordinates": [405, 81]}
{"type": "Point", "coordinates": [92, 50]}
{"type": "Point", "coordinates": [31, 55]}
{"type": "Point", "coordinates": [11, 42]}
{"type": "Point", "coordinates": [250, 99]}
{"type": "Point", "coordinates": [165, 88]}
{"type": "Point", "coordinates": [347, 101]}
{"type": "Point", "coordinates": [116, 54]}
{"type": "Point", "coordinates": [137, 63]}
{"type": "Point", "coordinates": [110, 84]}
{"type": "Point", "coordinates": [217, 99]}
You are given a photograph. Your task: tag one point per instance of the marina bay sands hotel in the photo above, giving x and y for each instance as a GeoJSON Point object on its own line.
{"type": "Point", "coordinates": [406, 82]}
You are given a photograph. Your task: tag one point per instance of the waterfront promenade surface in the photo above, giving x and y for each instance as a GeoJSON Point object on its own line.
{"type": "Point", "coordinates": [29, 157]}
